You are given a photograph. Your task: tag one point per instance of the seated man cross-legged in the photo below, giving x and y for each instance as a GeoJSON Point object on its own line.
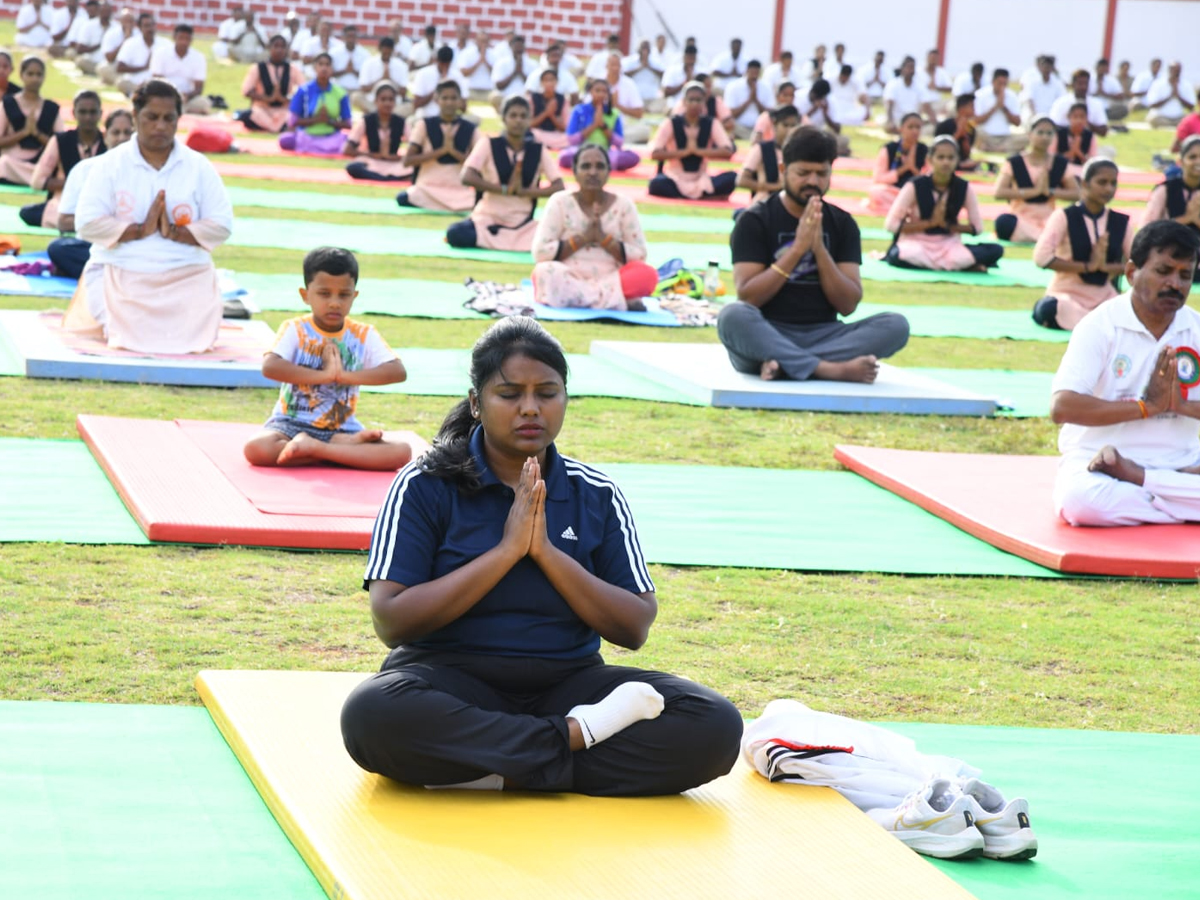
{"type": "Point", "coordinates": [1130, 442]}
{"type": "Point", "coordinates": [796, 264]}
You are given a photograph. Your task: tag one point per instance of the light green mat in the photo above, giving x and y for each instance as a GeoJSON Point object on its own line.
{"type": "Point", "coordinates": [399, 241]}
{"type": "Point", "coordinates": [1115, 813]}
{"type": "Point", "coordinates": [967, 322]}
{"type": "Point", "coordinates": [314, 201]}
{"type": "Point", "coordinates": [443, 300]}
{"type": "Point", "coordinates": [11, 363]}
{"type": "Point", "coordinates": [788, 519]}
{"type": "Point", "coordinates": [110, 802]}
{"type": "Point", "coordinates": [55, 491]}
{"type": "Point", "coordinates": [384, 296]}
{"type": "Point", "coordinates": [687, 515]}
{"type": "Point", "coordinates": [444, 373]}
{"type": "Point", "coordinates": [1022, 394]}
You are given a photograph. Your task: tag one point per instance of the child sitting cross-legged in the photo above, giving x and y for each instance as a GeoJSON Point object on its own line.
{"type": "Point", "coordinates": [322, 358]}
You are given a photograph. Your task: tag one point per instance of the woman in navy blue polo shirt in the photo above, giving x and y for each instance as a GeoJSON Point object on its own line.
{"type": "Point", "coordinates": [496, 567]}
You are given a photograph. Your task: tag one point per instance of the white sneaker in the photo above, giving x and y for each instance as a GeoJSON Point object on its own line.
{"type": "Point", "coordinates": [935, 820]}
{"type": "Point", "coordinates": [1004, 825]}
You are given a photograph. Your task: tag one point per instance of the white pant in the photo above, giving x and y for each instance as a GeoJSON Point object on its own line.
{"type": "Point", "coordinates": [1089, 498]}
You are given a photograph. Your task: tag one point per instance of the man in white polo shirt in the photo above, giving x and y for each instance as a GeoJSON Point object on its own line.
{"type": "Point", "coordinates": [748, 98]}
{"type": "Point", "coordinates": [1169, 99]}
{"type": "Point", "coordinates": [185, 67]}
{"type": "Point", "coordinates": [1130, 440]}
{"type": "Point", "coordinates": [997, 111]}
{"type": "Point", "coordinates": [905, 94]}
{"type": "Point", "coordinates": [133, 59]}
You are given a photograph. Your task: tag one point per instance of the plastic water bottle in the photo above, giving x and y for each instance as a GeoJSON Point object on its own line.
{"type": "Point", "coordinates": [712, 280]}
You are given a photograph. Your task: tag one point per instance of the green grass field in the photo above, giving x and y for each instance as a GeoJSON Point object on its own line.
{"type": "Point", "coordinates": [134, 624]}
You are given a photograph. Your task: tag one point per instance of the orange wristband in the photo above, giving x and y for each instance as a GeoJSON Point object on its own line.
{"type": "Point", "coordinates": [1142, 406]}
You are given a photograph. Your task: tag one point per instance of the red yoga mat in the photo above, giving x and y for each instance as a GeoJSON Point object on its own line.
{"type": "Point", "coordinates": [1006, 501]}
{"type": "Point", "coordinates": [187, 481]}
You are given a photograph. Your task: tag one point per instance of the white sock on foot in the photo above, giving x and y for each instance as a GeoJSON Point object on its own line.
{"type": "Point", "coordinates": [486, 783]}
{"type": "Point", "coordinates": [630, 702]}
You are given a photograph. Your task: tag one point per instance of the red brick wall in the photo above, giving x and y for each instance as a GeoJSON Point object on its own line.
{"type": "Point", "coordinates": [583, 24]}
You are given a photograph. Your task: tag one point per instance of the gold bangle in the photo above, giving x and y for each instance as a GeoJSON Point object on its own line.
{"type": "Point", "coordinates": [779, 271]}
{"type": "Point", "coordinates": [571, 244]}
{"type": "Point", "coordinates": [1142, 406]}
{"type": "Point", "coordinates": [607, 240]}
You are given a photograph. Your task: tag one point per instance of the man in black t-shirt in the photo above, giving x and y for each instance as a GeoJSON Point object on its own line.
{"type": "Point", "coordinates": [795, 263]}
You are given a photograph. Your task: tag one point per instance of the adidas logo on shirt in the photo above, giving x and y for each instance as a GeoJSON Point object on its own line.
{"type": "Point", "coordinates": [569, 534]}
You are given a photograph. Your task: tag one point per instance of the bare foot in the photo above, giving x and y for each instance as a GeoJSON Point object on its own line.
{"type": "Point", "coordinates": [297, 449]}
{"type": "Point", "coordinates": [770, 371]}
{"type": "Point", "coordinates": [864, 369]}
{"type": "Point", "coordinates": [1109, 462]}
{"type": "Point", "coordinates": [367, 436]}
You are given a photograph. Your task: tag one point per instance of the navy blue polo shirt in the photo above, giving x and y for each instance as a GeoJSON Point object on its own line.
{"type": "Point", "coordinates": [427, 528]}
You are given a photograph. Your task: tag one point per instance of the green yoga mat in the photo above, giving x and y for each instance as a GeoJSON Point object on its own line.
{"type": "Point", "coordinates": [112, 801]}
{"type": "Point", "coordinates": [1115, 813]}
{"type": "Point", "coordinates": [399, 241]}
{"type": "Point", "coordinates": [55, 491]}
{"type": "Point", "coordinates": [967, 322]}
{"type": "Point", "coordinates": [383, 296]}
{"type": "Point", "coordinates": [1022, 394]}
{"type": "Point", "coordinates": [109, 802]}
{"type": "Point", "coordinates": [444, 373]}
{"type": "Point", "coordinates": [687, 515]}
{"type": "Point", "coordinates": [315, 201]}
{"type": "Point", "coordinates": [788, 519]}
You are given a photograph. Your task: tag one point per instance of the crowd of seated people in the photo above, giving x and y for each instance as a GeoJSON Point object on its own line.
{"type": "Point", "coordinates": [395, 107]}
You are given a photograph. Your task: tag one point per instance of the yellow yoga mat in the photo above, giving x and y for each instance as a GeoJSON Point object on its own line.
{"type": "Point", "coordinates": [368, 838]}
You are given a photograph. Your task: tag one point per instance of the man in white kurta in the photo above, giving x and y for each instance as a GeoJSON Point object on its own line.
{"type": "Point", "coordinates": [1130, 437]}
{"type": "Point", "coordinates": [154, 211]}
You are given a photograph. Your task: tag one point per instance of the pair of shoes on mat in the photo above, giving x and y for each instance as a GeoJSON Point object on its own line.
{"type": "Point", "coordinates": [961, 820]}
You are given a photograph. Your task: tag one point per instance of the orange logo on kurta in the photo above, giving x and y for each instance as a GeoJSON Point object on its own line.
{"type": "Point", "coordinates": [182, 214]}
{"type": "Point", "coordinates": [125, 205]}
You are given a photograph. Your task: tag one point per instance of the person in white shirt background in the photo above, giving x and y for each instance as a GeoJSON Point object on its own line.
{"type": "Point", "coordinates": [748, 97]}
{"type": "Point", "coordinates": [475, 61]}
{"type": "Point", "coordinates": [1170, 98]}
{"type": "Point", "coordinates": [646, 69]}
{"type": "Point", "coordinates": [1040, 87]}
{"type": "Point", "coordinates": [727, 65]}
{"type": "Point", "coordinates": [848, 100]}
{"type": "Point", "coordinates": [997, 113]}
{"type": "Point", "coordinates": [597, 66]}
{"type": "Point", "coordinates": [34, 21]}
{"type": "Point", "coordinates": [133, 59]}
{"type": "Point", "coordinates": [185, 67]}
{"type": "Point", "coordinates": [423, 50]}
{"type": "Point", "coordinates": [114, 38]}
{"type": "Point", "coordinates": [1142, 82]}
{"type": "Point", "coordinates": [627, 100]}
{"type": "Point", "coordinates": [968, 82]}
{"type": "Point", "coordinates": [875, 77]}
{"type": "Point", "coordinates": [385, 67]}
{"type": "Point", "coordinates": [324, 41]}
{"type": "Point", "coordinates": [1097, 115]}
{"type": "Point", "coordinates": [1111, 93]}
{"type": "Point", "coordinates": [555, 58]}
{"type": "Point", "coordinates": [298, 39]}
{"type": "Point", "coordinates": [62, 21]}
{"type": "Point", "coordinates": [348, 60]}
{"type": "Point", "coordinates": [935, 78]}
{"type": "Point", "coordinates": [785, 70]}
{"type": "Point", "coordinates": [403, 43]}
{"type": "Point", "coordinates": [241, 38]}
{"type": "Point", "coordinates": [833, 67]}
{"type": "Point", "coordinates": [425, 80]}
{"type": "Point", "coordinates": [88, 44]}
{"type": "Point", "coordinates": [510, 72]}
{"type": "Point", "coordinates": [904, 94]}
